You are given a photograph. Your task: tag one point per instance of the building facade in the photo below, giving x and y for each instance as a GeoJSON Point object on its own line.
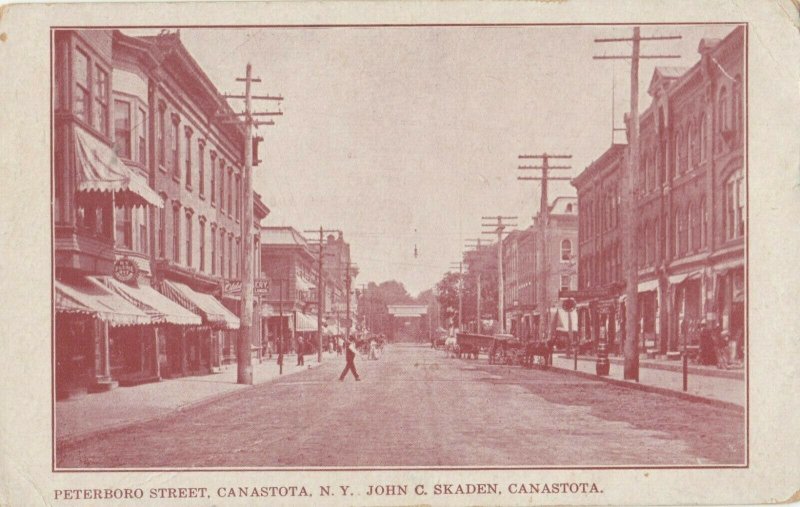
{"type": "Point", "coordinates": [147, 185]}
{"type": "Point", "coordinates": [690, 201]}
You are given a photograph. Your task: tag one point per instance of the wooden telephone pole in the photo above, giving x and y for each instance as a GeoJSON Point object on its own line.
{"type": "Point", "coordinates": [320, 287]}
{"type": "Point", "coordinates": [460, 266]}
{"type": "Point", "coordinates": [628, 201]}
{"type": "Point", "coordinates": [476, 243]}
{"type": "Point", "coordinates": [499, 228]}
{"type": "Point", "coordinates": [544, 222]}
{"type": "Point", "coordinates": [244, 366]}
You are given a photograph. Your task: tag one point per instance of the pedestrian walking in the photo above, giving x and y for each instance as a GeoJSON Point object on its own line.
{"type": "Point", "coordinates": [339, 346]}
{"type": "Point", "coordinates": [300, 358]}
{"type": "Point", "coordinates": [350, 357]}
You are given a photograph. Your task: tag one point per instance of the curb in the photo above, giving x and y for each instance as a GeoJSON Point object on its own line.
{"type": "Point", "coordinates": [693, 370]}
{"type": "Point", "coordinates": [76, 438]}
{"type": "Point", "coordinates": [649, 388]}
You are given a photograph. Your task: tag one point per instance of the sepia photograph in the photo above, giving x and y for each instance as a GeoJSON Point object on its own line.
{"type": "Point", "coordinates": [423, 246]}
{"type": "Point", "coordinates": [391, 254]}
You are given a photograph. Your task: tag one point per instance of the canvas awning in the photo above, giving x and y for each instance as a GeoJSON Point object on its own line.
{"type": "Point", "coordinates": [561, 317]}
{"type": "Point", "coordinates": [647, 286]}
{"type": "Point", "coordinates": [268, 310]}
{"type": "Point", "coordinates": [207, 306]}
{"type": "Point", "coordinates": [100, 170]}
{"type": "Point", "coordinates": [332, 330]}
{"type": "Point", "coordinates": [306, 323]}
{"type": "Point", "coordinates": [88, 298]}
{"type": "Point", "coordinates": [160, 308]}
{"type": "Point", "coordinates": [682, 277]}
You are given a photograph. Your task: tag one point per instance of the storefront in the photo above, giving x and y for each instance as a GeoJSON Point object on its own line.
{"type": "Point", "coordinates": [140, 355]}
{"type": "Point", "coordinates": [729, 301]}
{"type": "Point", "coordinates": [200, 349]}
{"type": "Point", "coordinates": [87, 316]}
{"type": "Point", "coordinates": [648, 315]}
{"type": "Point", "coordinates": [687, 311]}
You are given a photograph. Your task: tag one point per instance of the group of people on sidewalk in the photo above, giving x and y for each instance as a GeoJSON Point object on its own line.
{"type": "Point", "coordinates": [717, 347]}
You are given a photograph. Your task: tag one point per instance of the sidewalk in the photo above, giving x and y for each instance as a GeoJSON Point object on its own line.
{"type": "Point", "coordinates": [81, 417]}
{"type": "Point", "coordinates": [705, 382]}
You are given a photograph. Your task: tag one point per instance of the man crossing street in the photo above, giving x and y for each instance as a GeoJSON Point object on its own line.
{"type": "Point", "coordinates": [350, 357]}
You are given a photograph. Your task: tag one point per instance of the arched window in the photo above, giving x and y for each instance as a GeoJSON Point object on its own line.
{"type": "Point", "coordinates": [703, 137]}
{"type": "Point", "coordinates": [676, 153]}
{"type": "Point", "coordinates": [694, 142]}
{"type": "Point", "coordinates": [738, 111]}
{"type": "Point", "coordinates": [695, 220]}
{"type": "Point", "coordinates": [682, 161]}
{"type": "Point", "coordinates": [723, 117]}
{"type": "Point", "coordinates": [677, 234]}
{"type": "Point", "coordinates": [703, 223]}
{"type": "Point", "coordinates": [566, 250]}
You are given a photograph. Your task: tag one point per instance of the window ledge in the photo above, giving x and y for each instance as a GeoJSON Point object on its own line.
{"type": "Point", "coordinates": [189, 187]}
{"type": "Point", "coordinates": [176, 178]}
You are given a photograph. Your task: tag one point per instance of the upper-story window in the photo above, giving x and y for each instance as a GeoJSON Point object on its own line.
{"type": "Point", "coordinates": [213, 239]}
{"type": "Point", "coordinates": [734, 206]}
{"type": "Point", "coordinates": [202, 243]}
{"type": "Point", "coordinates": [188, 132]}
{"type": "Point", "coordinates": [695, 221]}
{"type": "Point", "coordinates": [188, 237]}
{"type": "Point", "coordinates": [141, 128]}
{"type": "Point", "coordinates": [82, 90]}
{"type": "Point", "coordinates": [723, 118]}
{"type": "Point", "coordinates": [176, 229]}
{"type": "Point", "coordinates": [566, 250]}
{"type": "Point", "coordinates": [231, 190]}
{"type": "Point", "coordinates": [703, 137]}
{"type": "Point", "coordinates": [122, 128]}
{"type": "Point", "coordinates": [565, 282]}
{"type": "Point", "coordinates": [703, 223]}
{"type": "Point", "coordinates": [161, 230]}
{"type": "Point", "coordinates": [124, 226]}
{"type": "Point", "coordinates": [100, 100]}
{"type": "Point", "coordinates": [201, 167]}
{"type": "Point", "coordinates": [738, 110]}
{"type": "Point", "coordinates": [221, 185]}
{"type": "Point", "coordinates": [162, 132]}
{"type": "Point", "coordinates": [693, 146]}
{"type": "Point", "coordinates": [213, 183]}
{"type": "Point", "coordinates": [176, 167]}
{"type": "Point", "coordinates": [238, 197]}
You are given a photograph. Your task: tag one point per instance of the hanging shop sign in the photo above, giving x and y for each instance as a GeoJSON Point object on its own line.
{"type": "Point", "coordinates": [125, 270]}
{"type": "Point", "coordinates": [261, 286]}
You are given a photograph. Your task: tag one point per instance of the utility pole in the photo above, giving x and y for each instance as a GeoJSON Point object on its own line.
{"type": "Point", "coordinates": [347, 280]}
{"type": "Point", "coordinates": [499, 228]}
{"type": "Point", "coordinates": [478, 271]}
{"type": "Point", "coordinates": [244, 367]}
{"type": "Point", "coordinates": [544, 222]}
{"type": "Point", "coordinates": [628, 200]}
{"type": "Point", "coordinates": [320, 288]}
{"type": "Point", "coordinates": [460, 265]}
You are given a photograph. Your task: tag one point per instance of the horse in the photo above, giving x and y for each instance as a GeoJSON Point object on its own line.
{"type": "Point", "coordinates": [539, 348]}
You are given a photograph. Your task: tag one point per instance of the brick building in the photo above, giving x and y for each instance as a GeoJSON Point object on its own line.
{"type": "Point", "coordinates": [690, 200]}
{"type": "Point", "coordinates": [147, 187]}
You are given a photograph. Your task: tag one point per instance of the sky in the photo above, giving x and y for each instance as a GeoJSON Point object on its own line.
{"type": "Point", "coordinates": [404, 136]}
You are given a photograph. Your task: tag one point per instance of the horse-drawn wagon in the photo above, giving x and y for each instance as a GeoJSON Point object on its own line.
{"type": "Point", "coordinates": [470, 345]}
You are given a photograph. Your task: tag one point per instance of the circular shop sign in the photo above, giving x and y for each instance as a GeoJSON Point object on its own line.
{"type": "Point", "coordinates": [125, 270]}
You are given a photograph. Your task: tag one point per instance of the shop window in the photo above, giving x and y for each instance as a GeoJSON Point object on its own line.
{"type": "Point", "coordinates": [101, 100]}
{"type": "Point", "coordinates": [93, 219]}
{"type": "Point", "coordinates": [734, 206]}
{"type": "Point", "coordinates": [566, 250]}
{"type": "Point", "coordinates": [141, 128]}
{"type": "Point", "coordinates": [82, 90]}
{"type": "Point", "coordinates": [565, 282]}
{"type": "Point", "coordinates": [122, 128]}
{"type": "Point", "coordinates": [124, 227]}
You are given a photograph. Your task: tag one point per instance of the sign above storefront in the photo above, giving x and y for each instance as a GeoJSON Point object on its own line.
{"type": "Point", "coordinates": [261, 286]}
{"type": "Point", "coordinates": [125, 270]}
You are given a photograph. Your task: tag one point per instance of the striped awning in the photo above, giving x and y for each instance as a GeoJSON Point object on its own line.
{"type": "Point", "coordinates": [100, 170]}
{"type": "Point", "coordinates": [207, 306]}
{"type": "Point", "coordinates": [86, 297]}
{"type": "Point", "coordinates": [160, 308]}
{"type": "Point", "coordinates": [306, 323]}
